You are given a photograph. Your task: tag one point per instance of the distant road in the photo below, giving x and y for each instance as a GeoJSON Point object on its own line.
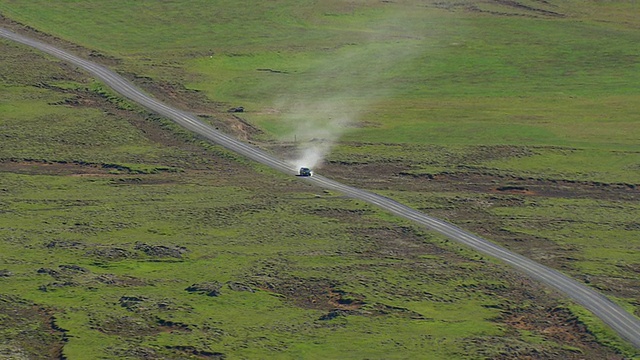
{"type": "Point", "coordinates": [624, 323]}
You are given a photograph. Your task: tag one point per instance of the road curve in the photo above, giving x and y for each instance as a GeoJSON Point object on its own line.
{"type": "Point", "coordinates": [623, 322]}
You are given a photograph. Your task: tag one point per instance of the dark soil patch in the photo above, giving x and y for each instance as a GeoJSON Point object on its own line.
{"type": "Point", "coordinates": [177, 95]}
{"type": "Point", "coordinates": [74, 275]}
{"type": "Point", "coordinates": [64, 244]}
{"type": "Point", "coordinates": [40, 167]}
{"type": "Point", "coordinates": [5, 273]}
{"type": "Point", "coordinates": [110, 253]}
{"type": "Point", "coordinates": [514, 189]}
{"type": "Point", "coordinates": [137, 325]}
{"type": "Point", "coordinates": [118, 280]}
{"type": "Point", "coordinates": [161, 250]}
{"type": "Point", "coordinates": [339, 213]}
{"type": "Point", "coordinates": [39, 336]}
{"type": "Point", "coordinates": [560, 325]}
{"type": "Point", "coordinates": [211, 288]}
{"type": "Point", "coordinates": [542, 8]}
{"type": "Point", "coordinates": [132, 303]}
{"type": "Point", "coordinates": [383, 176]}
{"type": "Point", "coordinates": [529, 8]}
{"type": "Point", "coordinates": [393, 242]}
{"type": "Point", "coordinates": [372, 310]}
{"type": "Point", "coordinates": [138, 352]}
{"type": "Point", "coordinates": [319, 294]}
{"type": "Point", "coordinates": [236, 286]}
{"type": "Point", "coordinates": [171, 326]}
{"type": "Point", "coordinates": [201, 354]}
{"type": "Point", "coordinates": [529, 306]}
{"type": "Point", "coordinates": [129, 326]}
{"type": "Point", "coordinates": [193, 101]}
{"type": "Point", "coordinates": [117, 173]}
{"type": "Point", "coordinates": [144, 304]}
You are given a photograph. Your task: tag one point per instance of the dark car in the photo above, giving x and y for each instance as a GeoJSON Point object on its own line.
{"type": "Point", "coordinates": [304, 171]}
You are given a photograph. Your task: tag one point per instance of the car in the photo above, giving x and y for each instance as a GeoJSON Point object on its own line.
{"type": "Point", "coordinates": [304, 171]}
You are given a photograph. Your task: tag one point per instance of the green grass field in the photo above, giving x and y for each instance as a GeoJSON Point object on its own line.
{"type": "Point", "coordinates": [76, 221]}
{"type": "Point", "coordinates": [108, 214]}
{"type": "Point", "coordinates": [420, 74]}
{"type": "Point", "coordinates": [105, 225]}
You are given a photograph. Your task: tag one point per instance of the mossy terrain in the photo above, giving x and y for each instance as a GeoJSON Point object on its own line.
{"type": "Point", "coordinates": [123, 236]}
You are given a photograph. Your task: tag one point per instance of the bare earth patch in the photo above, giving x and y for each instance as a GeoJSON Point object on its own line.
{"type": "Point", "coordinates": [40, 337]}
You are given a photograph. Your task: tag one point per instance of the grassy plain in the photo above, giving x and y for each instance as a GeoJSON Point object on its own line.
{"type": "Point", "coordinates": [555, 75]}
{"type": "Point", "coordinates": [460, 101]}
{"type": "Point", "coordinates": [123, 237]}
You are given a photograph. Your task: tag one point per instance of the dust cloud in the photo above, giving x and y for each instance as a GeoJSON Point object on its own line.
{"type": "Point", "coordinates": [330, 98]}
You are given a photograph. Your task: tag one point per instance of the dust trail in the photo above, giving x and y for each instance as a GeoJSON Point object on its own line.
{"type": "Point", "coordinates": [318, 126]}
{"type": "Point", "coordinates": [331, 97]}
